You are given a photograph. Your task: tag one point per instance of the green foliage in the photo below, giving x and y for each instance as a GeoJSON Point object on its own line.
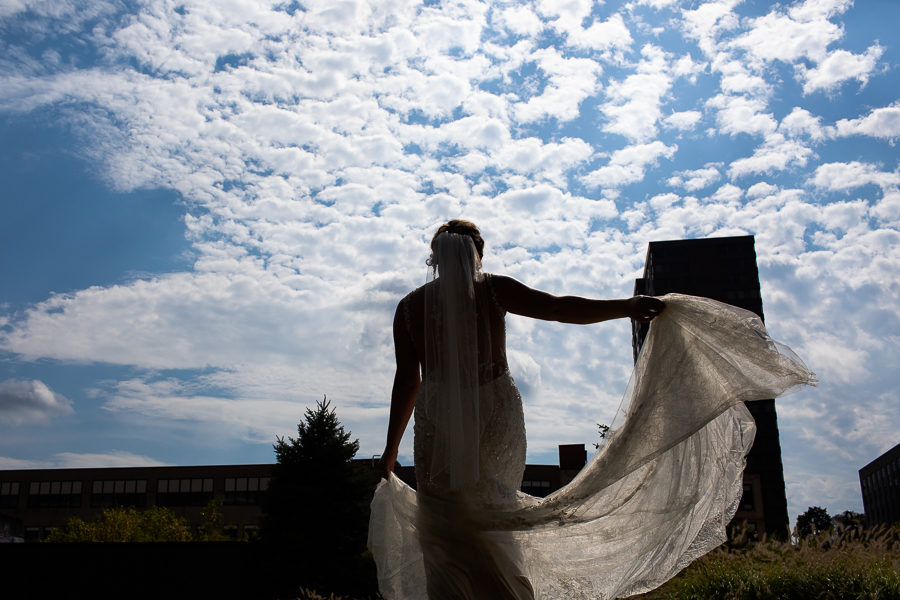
{"type": "Point", "coordinates": [155, 524]}
{"type": "Point", "coordinates": [317, 505]}
{"type": "Point", "coordinates": [813, 522]}
{"type": "Point", "coordinates": [212, 527]}
{"type": "Point", "coordinates": [851, 564]}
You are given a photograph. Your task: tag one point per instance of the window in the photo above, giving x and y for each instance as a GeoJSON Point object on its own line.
{"type": "Point", "coordinates": [54, 494]}
{"type": "Point", "coordinates": [747, 502]}
{"type": "Point", "coordinates": [245, 490]}
{"type": "Point", "coordinates": [184, 492]}
{"type": "Point", "coordinates": [536, 487]}
{"type": "Point", "coordinates": [9, 494]}
{"type": "Point", "coordinates": [119, 492]}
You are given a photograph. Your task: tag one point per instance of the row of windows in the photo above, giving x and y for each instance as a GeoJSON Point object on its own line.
{"type": "Point", "coordinates": [185, 486]}
{"type": "Point", "coordinates": [54, 494]}
{"type": "Point", "coordinates": [242, 491]}
{"type": "Point", "coordinates": [9, 494]}
{"type": "Point", "coordinates": [44, 488]}
{"type": "Point", "coordinates": [536, 487]}
{"type": "Point", "coordinates": [133, 492]}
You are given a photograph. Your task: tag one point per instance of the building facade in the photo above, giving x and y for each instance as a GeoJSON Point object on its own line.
{"type": "Point", "coordinates": [33, 502]}
{"type": "Point", "coordinates": [880, 484]}
{"type": "Point", "coordinates": [724, 269]}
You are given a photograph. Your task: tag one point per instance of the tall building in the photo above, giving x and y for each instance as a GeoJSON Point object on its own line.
{"type": "Point", "coordinates": [880, 484]}
{"type": "Point", "coordinates": [724, 269]}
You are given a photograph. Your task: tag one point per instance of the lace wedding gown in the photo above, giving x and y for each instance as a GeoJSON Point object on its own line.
{"type": "Point", "coordinates": [657, 495]}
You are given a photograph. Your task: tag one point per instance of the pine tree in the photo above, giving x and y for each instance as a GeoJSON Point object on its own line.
{"type": "Point", "coordinates": [317, 505]}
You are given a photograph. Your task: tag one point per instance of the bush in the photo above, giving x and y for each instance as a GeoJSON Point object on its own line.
{"type": "Point", "coordinates": [155, 524]}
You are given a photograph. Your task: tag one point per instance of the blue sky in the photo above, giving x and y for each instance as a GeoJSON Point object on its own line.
{"type": "Point", "coordinates": [210, 210]}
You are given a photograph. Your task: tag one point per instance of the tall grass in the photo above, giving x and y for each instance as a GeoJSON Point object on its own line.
{"type": "Point", "coordinates": [851, 564]}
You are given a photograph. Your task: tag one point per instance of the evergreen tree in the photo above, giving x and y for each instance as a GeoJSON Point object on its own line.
{"type": "Point", "coordinates": [316, 508]}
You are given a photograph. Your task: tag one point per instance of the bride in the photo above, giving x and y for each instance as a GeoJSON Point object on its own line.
{"type": "Point", "coordinates": [659, 493]}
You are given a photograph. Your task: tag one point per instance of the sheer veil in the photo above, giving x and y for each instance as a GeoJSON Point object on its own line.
{"type": "Point", "coordinates": [452, 361]}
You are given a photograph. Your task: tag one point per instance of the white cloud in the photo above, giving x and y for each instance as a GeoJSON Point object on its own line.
{"type": "Point", "coordinates": [801, 122]}
{"type": "Point", "coordinates": [569, 82]}
{"type": "Point", "coordinates": [839, 176]}
{"type": "Point", "coordinates": [776, 153]}
{"type": "Point", "coordinates": [610, 37]}
{"type": "Point", "coordinates": [799, 33]}
{"type": "Point", "coordinates": [30, 401]}
{"type": "Point", "coordinates": [74, 460]}
{"type": "Point", "coordinates": [708, 21]}
{"type": "Point", "coordinates": [683, 120]}
{"type": "Point", "coordinates": [761, 189]}
{"type": "Point", "coordinates": [629, 164]}
{"type": "Point", "coordinates": [696, 179]}
{"type": "Point", "coordinates": [521, 20]}
{"type": "Point", "coordinates": [838, 67]}
{"type": "Point", "coordinates": [634, 106]}
{"type": "Point", "coordinates": [881, 122]}
{"type": "Point", "coordinates": [741, 114]}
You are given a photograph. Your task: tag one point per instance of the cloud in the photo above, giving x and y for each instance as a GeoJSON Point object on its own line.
{"type": "Point", "coordinates": [801, 122]}
{"type": "Point", "coordinates": [803, 31]}
{"type": "Point", "coordinates": [628, 165]}
{"type": "Point", "coordinates": [73, 460]}
{"type": "Point", "coordinates": [634, 106]}
{"type": "Point", "coordinates": [740, 114]}
{"type": "Point", "coordinates": [520, 20]}
{"type": "Point", "coordinates": [683, 120]}
{"type": "Point", "coordinates": [569, 82]}
{"type": "Point", "coordinates": [708, 22]}
{"type": "Point", "coordinates": [776, 153]}
{"type": "Point", "coordinates": [838, 67]}
{"type": "Point", "coordinates": [838, 176]}
{"type": "Point", "coordinates": [696, 179]}
{"type": "Point", "coordinates": [30, 401]}
{"type": "Point", "coordinates": [881, 122]}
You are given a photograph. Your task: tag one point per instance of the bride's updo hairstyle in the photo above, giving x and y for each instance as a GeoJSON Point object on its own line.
{"type": "Point", "coordinates": [461, 227]}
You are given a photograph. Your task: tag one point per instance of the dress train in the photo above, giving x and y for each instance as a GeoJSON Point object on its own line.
{"type": "Point", "coordinates": [656, 496]}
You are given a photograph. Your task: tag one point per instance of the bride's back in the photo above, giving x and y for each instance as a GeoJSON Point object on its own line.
{"type": "Point", "coordinates": [420, 309]}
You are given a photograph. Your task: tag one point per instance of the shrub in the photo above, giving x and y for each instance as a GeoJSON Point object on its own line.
{"type": "Point", "coordinates": [155, 524]}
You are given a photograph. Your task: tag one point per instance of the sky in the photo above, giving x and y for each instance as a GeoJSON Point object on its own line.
{"type": "Point", "coordinates": [211, 209]}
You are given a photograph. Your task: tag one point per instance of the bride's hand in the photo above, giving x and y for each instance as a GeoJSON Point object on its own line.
{"type": "Point", "coordinates": [386, 465]}
{"type": "Point", "coordinates": [645, 308]}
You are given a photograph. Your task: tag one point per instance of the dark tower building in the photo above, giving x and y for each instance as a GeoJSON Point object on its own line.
{"type": "Point", "coordinates": [724, 269]}
{"type": "Point", "coordinates": [880, 483]}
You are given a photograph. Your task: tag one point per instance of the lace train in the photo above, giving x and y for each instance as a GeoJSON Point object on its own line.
{"type": "Point", "coordinates": [655, 497]}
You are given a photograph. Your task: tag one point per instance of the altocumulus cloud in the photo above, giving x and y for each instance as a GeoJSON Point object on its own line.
{"type": "Point", "coordinates": [30, 401]}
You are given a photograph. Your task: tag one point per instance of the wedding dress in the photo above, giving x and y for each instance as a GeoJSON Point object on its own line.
{"type": "Point", "coordinates": [656, 496]}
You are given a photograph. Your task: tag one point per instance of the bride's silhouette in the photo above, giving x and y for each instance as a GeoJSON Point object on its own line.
{"type": "Point", "coordinates": [659, 493]}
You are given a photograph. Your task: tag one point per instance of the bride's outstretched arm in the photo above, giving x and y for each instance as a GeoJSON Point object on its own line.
{"type": "Point", "coordinates": [403, 394]}
{"type": "Point", "coordinates": [518, 298]}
